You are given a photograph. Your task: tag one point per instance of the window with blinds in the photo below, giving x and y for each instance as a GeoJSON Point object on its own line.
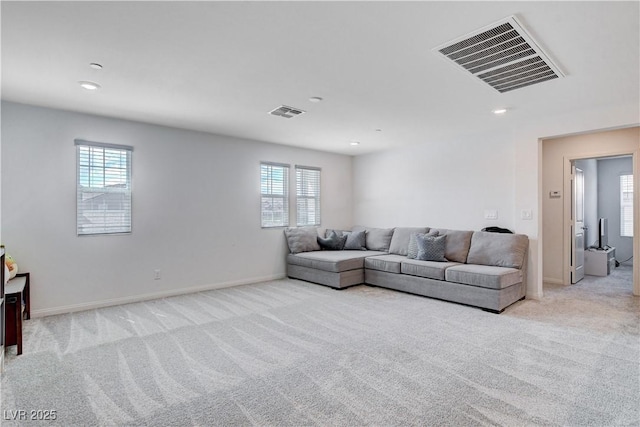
{"type": "Point", "coordinates": [307, 196]}
{"type": "Point", "coordinates": [103, 188]}
{"type": "Point", "coordinates": [274, 189]}
{"type": "Point", "coordinates": [626, 205]}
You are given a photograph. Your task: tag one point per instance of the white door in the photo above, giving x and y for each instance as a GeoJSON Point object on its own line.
{"type": "Point", "coordinates": [577, 225]}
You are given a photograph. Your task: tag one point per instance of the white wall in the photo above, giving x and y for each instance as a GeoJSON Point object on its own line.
{"type": "Point", "coordinates": [609, 171]}
{"type": "Point", "coordinates": [445, 184]}
{"type": "Point", "coordinates": [196, 209]}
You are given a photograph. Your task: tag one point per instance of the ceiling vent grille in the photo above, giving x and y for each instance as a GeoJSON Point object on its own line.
{"type": "Point", "coordinates": [286, 112]}
{"type": "Point", "coordinates": [503, 55]}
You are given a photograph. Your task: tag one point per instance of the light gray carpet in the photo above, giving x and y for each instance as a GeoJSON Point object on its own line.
{"type": "Point", "coordinates": [604, 304]}
{"type": "Point", "coordinates": [293, 353]}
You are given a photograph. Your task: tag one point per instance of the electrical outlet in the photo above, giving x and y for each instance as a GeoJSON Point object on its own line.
{"type": "Point", "coordinates": [156, 274]}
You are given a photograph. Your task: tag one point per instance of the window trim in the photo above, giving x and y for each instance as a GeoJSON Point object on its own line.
{"type": "Point", "coordinates": [286, 197]}
{"type": "Point", "coordinates": [624, 230]}
{"type": "Point", "coordinates": [128, 191]}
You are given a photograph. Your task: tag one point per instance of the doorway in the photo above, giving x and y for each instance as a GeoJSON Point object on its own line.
{"type": "Point", "coordinates": [558, 156]}
{"type": "Point", "coordinates": [601, 217]}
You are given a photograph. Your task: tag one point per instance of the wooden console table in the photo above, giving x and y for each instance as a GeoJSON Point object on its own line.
{"type": "Point", "coordinates": [17, 308]}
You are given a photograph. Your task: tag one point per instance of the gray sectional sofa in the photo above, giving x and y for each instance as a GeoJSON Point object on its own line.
{"type": "Point", "coordinates": [480, 269]}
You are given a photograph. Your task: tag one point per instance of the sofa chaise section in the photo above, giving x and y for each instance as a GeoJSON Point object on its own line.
{"type": "Point", "coordinates": [337, 269]}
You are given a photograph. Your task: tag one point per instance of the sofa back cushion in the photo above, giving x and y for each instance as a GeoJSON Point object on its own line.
{"type": "Point", "coordinates": [498, 249]}
{"type": "Point", "coordinates": [400, 240]}
{"type": "Point", "coordinates": [458, 243]}
{"type": "Point", "coordinates": [302, 239]}
{"type": "Point", "coordinates": [356, 241]}
{"type": "Point", "coordinates": [376, 239]}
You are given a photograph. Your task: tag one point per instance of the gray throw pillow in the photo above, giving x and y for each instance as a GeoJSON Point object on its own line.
{"type": "Point", "coordinates": [412, 249]}
{"type": "Point", "coordinates": [431, 248]}
{"type": "Point", "coordinates": [355, 240]}
{"type": "Point", "coordinates": [333, 242]}
{"type": "Point", "coordinates": [302, 239]}
{"type": "Point", "coordinates": [328, 232]}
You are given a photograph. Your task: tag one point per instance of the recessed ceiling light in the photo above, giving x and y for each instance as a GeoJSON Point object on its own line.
{"type": "Point", "coordinates": [89, 85]}
{"type": "Point", "coordinates": [354, 143]}
{"type": "Point", "coordinates": [378, 130]}
{"type": "Point", "coordinates": [315, 99]}
{"type": "Point", "coordinates": [500, 111]}
{"type": "Point", "coordinates": [95, 66]}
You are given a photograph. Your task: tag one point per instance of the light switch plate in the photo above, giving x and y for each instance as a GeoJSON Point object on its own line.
{"type": "Point", "coordinates": [490, 214]}
{"type": "Point", "coordinates": [526, 214]}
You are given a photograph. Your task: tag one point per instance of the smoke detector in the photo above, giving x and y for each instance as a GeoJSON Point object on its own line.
{"type": "Point", "coordinates": [503, 55]}
{"type": "Point", "coordinates": [286, 112]}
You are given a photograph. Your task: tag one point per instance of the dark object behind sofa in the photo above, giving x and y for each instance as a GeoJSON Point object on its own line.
{"type": "Point", "coordinates": [497, 230]}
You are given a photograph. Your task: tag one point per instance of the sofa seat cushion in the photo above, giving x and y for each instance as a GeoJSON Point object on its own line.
{"type": "Point", "coordinates": [333, 261]}
{"type": "Point", "coordinates": [485, 276]}
{"type": "Point", "coordinates": [388, 263]}
{"type": "Point", "coordinates": [430, 269]}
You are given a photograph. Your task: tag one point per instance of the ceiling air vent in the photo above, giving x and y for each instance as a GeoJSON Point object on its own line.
{"type": "Point", "coordinates": [286, 112]}
{"type": "Point", "coordinates": [502, 55]}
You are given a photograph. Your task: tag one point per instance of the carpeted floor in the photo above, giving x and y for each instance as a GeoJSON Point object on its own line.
{"type": "Point", "coordinates": [293, 353]}
{"type": "Point", "coordinates": [604, 304]}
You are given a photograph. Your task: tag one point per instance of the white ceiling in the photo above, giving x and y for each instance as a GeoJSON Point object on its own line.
{"type": "Point", "coordinates": [221, 66]}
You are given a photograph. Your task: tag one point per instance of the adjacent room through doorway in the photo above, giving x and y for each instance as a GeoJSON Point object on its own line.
{"type": "Point", "coordinates": [590, 236]}
{"type": "Point", "coordinates": [602, 209]}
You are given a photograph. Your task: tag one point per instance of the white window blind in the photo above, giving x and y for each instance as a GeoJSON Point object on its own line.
{"type": "Point", "coordinates": [274, 187]}
{"type": "Point", "coordinates": [103, 188]}
{"type": "Point", "coordinates": [307, 196]}
{"type": "Point", "coordinates": [626, 205]}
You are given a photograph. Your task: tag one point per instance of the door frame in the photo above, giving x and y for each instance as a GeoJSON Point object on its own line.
{"type": "Point", "coordinates": [566, 224]}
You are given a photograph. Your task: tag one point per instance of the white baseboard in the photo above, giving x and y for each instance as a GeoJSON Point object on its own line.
{"type": "Point", "coordinates": [151, 296]}
{"type": "Point", "coordinates": [552, 281]}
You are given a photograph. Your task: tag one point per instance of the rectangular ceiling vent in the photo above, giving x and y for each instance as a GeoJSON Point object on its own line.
{"type": "Point", "coordinates": [286, 112]}
{"type": "Point", "coordinates": [503, 55]}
